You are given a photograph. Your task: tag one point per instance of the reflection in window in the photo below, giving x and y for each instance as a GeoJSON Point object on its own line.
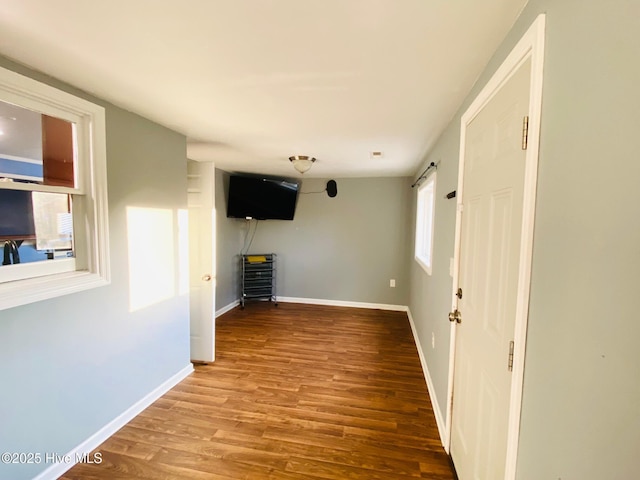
{"type": "Point", "coordinates": [35, 226]}
{"type": "Point", "coordinates": [36, 148]}
{"type": "Point", "coordinates": [53, 221]}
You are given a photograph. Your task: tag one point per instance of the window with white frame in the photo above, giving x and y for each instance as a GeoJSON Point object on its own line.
{"type": "Point", "coordinates": [425, 215]}
{"type": "Point", "coordinates": [53, 192]}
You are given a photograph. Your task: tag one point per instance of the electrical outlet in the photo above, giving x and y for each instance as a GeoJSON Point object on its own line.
{"type": "Point", "coordinates": [433, 340]}
{"type": "Point", "coordinates": [392, 283]}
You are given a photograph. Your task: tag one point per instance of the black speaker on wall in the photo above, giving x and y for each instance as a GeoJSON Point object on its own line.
{"type": "Point", "coordinates": [332, 188]}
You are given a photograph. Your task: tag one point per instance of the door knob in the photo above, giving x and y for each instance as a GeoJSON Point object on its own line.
{"type": "Point", "coordinates": [206, 278]}
{"type": "Point", "coordinates": [455, 316]}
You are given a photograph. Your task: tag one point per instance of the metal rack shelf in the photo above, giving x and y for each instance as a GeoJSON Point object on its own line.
{"type": "Point", "coordinates": [258, 278]}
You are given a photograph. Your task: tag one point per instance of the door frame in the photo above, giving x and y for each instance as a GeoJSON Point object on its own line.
{"type": "Point", "coordinates": [530, 46]}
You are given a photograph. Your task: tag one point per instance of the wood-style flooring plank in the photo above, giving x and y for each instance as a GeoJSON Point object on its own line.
{"type": "Point", "coordinates": [297, 392]}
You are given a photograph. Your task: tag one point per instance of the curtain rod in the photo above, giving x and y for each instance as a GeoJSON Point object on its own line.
{"type": "Point", "coordinates": [422, 175]}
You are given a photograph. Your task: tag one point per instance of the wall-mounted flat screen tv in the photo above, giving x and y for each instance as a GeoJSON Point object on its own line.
{"type": "Point", "coordinates": [261, 198]}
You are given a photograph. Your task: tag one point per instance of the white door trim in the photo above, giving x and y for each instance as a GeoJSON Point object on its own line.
{"type": "Point", "coordinates": [530, 46]}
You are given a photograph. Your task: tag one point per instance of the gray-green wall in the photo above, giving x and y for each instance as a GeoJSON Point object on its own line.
{"type": "Point", "coordinates": [229, 237]}
{"type": "Point", "coordinates": [345, 248]}
{"type": "Point", "coordinates": [70, 365]}
{"type": "Point", "coordinates": [581, 405]}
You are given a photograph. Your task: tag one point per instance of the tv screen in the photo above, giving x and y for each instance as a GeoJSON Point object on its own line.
{"type": "Point", "coordinates": [261, 198]}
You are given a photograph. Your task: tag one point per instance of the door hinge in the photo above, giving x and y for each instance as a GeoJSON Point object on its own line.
{"type": "Point", "coordinates": [510, 362]}
{"type": "Point", "coordinates": [525, 132]}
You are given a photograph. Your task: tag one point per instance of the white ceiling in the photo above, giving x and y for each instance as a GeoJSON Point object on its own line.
{"type": "Point", "coordinates": [252, 82]}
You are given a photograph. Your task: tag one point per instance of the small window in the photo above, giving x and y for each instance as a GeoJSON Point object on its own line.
{"type": "Point", "coordinates": [53, 204]}
{"type": "Point", "coordinates": [425, 213]}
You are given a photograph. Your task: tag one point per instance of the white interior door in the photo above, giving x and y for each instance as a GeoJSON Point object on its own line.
{"type": "Point", "coordinates": [489, 262]}
{"type": "Point", "coordinates": [202, 248]}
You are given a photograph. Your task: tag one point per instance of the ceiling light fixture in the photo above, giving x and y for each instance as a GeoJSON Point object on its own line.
{"type": "Point", "coordinates": [302, 163]}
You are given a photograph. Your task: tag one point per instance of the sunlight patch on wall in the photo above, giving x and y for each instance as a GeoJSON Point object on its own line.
{"type": "Point", "coordinates": [151, 256]}
{"type": "Point", "coordinates": [183, 252]}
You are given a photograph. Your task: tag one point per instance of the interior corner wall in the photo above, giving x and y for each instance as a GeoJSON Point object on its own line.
{"type": "Point", "coordinates": [72, 364]}
{"type": "Point", "coordinates": [345, 248]}
{"type": "Point", "coordinates": [581, 398]}
{"type": "Point", "coordinates": [229, 238]}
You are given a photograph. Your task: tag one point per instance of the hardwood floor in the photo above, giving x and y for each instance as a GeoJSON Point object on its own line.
{"type": "Point", "coordinates": [298, 392]}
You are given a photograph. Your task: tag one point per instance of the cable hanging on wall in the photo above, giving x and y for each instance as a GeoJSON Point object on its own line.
{"type": "Point", "coordinates": [245, 247]}
{"type": "Point", "coordinates": [332, 189]}
{"type": "Point", "coordinates": [423, 175]}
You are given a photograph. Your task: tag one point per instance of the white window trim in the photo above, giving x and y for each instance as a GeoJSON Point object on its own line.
{"type": "Point", "coordinates": [425, 261]}
{"type": "Point", "coordinates": [90, 212]}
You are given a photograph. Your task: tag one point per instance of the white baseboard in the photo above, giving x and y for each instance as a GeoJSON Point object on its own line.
{"type": "Point", "coordinates": [58, 469]}
{"type": "Point", "coordinates": [226, 308]}
{"type": "Point", "coordinates": [343, 303]}
{"type": "Point", "coordinates": [427, 376]}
